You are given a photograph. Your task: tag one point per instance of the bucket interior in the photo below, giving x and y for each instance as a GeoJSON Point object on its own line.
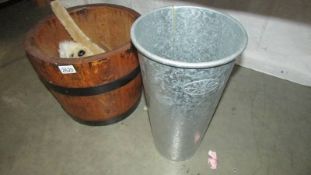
{"type": "Point", "coordinates": [189, 34]}
{"type": "Point", "coordinates": [108, 26]}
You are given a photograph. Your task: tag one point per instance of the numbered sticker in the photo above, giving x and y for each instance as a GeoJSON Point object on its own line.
{"type": "Point", "coordinates": [68, 69]}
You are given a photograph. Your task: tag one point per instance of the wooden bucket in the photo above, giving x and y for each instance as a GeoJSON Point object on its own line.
{"type": "Point", "coordinates": [96, 90]}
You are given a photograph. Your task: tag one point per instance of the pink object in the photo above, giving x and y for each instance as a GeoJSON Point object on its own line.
{"type": "Point", "coordinates": [212, 159]}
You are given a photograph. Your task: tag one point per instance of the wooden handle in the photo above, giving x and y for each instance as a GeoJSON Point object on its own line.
{"type": "Point", "coordinates": [73, 29]}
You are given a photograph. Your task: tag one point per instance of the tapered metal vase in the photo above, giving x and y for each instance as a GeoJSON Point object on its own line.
{"type": "Point", "coordinates": [186, 55]}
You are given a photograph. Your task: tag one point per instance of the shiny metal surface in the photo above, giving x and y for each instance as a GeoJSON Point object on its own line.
{"type": "Point", "coordinates": [186, 55]}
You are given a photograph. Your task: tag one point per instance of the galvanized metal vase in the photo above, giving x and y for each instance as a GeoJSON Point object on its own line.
{"type": "Point", "coordinates": [186, 55]}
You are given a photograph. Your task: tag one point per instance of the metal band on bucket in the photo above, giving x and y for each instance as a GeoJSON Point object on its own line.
{"type": "Point", "coordinates": [88, 91]}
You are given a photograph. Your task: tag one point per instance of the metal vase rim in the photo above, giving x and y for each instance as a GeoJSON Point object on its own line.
{"type": "Point", "coordinates": [183, 64]}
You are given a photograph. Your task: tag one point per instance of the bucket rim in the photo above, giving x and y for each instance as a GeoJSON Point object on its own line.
{"type": "Point", "coordinates": [183, 64]}
{"type": "Point", "coordinates": [38, 54]}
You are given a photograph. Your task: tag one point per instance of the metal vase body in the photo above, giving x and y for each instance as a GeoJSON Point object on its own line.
{"type": "Point", "coordinates": [186, 55]}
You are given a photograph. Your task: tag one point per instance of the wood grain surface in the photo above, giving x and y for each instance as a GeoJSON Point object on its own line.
{"type": "Point", "coordinates": [106, 25]}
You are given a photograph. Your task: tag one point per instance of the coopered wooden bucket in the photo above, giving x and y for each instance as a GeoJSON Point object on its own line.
{"type": "Point", "coordinates": [96, 90]}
